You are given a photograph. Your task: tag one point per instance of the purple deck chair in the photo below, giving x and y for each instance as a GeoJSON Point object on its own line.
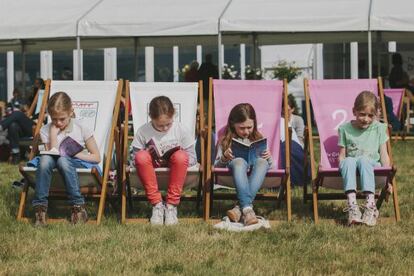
{"type": "Point", "coordinates": [266, 98]}
{"type": "Point", "coordinates": [332, 102]}
{"type": "Point", "coordinates": [397, 96]}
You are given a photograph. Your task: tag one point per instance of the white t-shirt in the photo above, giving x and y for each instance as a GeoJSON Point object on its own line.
{"type": "Point", "coordinates": [178, 134]}
{"type": "Point", "coordinates": [75, 130]}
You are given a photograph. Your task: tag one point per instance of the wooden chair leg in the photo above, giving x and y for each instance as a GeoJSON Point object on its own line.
{"type": "Point", "coordinates": [315, 203]}
{"type": "Point", "coordinates": [22, 204]}
{"type": "Point", "coordinates": [123, 203]}
{"type": "Point", "coordinates": [289, 200]}
{"type": "Point", "coordinates": [280, 196]}
{"type": "Point", "coordinates": [395, 201]}
{"type": "Point", "coordinates": [206, 200]}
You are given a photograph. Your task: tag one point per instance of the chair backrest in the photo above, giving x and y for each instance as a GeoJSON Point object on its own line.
{"type": "Point", "coordinates": [265, 96]}
{"type": "Point", "coordinates": [93, 103]}
{"type": "Point", "coordinates": [397, 96]}
{"type": "Point", "coordinates": [332, 102]}
{"type": "Point", "coordinates": [40, 94]}
{"type": "Point", "coordinates": [183, 96]}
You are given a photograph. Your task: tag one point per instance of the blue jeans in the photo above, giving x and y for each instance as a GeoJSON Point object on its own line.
{"type": "Point", "coordinates": [18, 125]}
{"type": "Point", "coordinates": [248, 186]}
{"type": "Point", "coordinates": [365, 166]}
{"type": "Point", "coordinates": [67, 168]}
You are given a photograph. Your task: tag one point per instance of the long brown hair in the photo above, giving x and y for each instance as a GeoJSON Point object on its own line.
{"type": "Point", "coordinates": [239, 114]}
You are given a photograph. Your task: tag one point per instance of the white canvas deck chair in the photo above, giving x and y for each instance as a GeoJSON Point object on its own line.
{"type": "Point", "coordinates": [399, 101]}
{"type": "Point", "coordinates": [266, 97]}
{"type": "Point", "coordinates": [96, 104]}
{"type": "Point", "coordinates": [184, 97]}
{"type": "Point", "coordinates": [332, 102]}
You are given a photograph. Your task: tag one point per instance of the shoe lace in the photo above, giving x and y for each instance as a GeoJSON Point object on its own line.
{"type": "Point", "coordinates": [353, 209]}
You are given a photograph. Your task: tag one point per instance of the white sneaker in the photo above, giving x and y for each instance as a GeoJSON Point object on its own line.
{"type": "Point", "coordinates": [157, 217]}
{"type": "Point", "coordinates": [370, 215]}
{"type": "Point", "coordinates": [171, 215]}
{"type": "Point", "coordinates": [354, 214]}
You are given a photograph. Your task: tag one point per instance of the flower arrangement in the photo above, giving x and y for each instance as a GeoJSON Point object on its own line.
{"type": "Point", "coordinates": [285, 70]}
{"type": "Point", "coordinates": [229, 72]}
{"type": "Point", "coordinates": [253, 73]}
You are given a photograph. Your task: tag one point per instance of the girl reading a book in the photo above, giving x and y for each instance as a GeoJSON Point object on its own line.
{"type": "Point", "coordinates": [242, 126]}
{"type": "Point", "coordinates": [158, 135]}
{"type": "Point", "coordinates": [53, 135]}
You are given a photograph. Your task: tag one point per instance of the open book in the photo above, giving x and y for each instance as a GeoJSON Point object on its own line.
{"type": "Point", "coordinates": [161, 150]}
{"type": "Point", "coordinates": [68, 147]}
{"type": "Point", "coordinates": [248, 152]}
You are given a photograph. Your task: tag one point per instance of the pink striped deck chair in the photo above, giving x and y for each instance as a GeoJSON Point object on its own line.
{"type": "Point", "coordinates": [397, 96]}
{"type": "Point", "coordinates": [266, 98]}
{"type": "Point", "coordinates": [332, 102]}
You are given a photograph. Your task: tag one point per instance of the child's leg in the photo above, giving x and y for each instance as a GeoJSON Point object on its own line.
{"type": "Point", "coordinates": [348, 168]}
{"type": "Point", "coordinates": [366, 171]}
{"type": "Point", "coordinates": [239, 168]}
{"type": "Point", "coordinates": [146, 173]}
{"type": "Point", "coordinates": [178, 164]}
{"type": "Point", "coordinates": [257, 177]}
{"type": "Point", "coordinates": [43, 178]}
{"type": "Point", "coordinates": [67, 169]}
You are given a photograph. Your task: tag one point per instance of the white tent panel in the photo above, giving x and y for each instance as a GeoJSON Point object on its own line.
{"type": "Point", "coordinates": [296, 16]}
{"type": "Point", "coordinates": [389, 15]}
{"type": "Point", "coordinates": [153, 18]}
{"type": "Point", "coordinates": [25, 19]}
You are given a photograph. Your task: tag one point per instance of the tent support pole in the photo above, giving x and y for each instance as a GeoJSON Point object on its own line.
{"type": "Point", "coordinates": [369, 55]}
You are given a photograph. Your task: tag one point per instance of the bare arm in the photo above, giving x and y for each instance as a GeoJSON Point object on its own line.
{"type": "Point", "coordinates": [342, 154]}
{"type": "Point", "coordinates": [93, 156]}
{"type": "Point", "coordinates": [53, 132]}
{"type": "Point", "coordinates": [384, 157]}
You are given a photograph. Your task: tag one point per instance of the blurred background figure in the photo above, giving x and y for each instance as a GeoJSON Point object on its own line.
{"type": "Point", "coordinates": [192, 74]}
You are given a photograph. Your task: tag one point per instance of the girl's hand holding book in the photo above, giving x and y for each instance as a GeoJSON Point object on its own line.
{"type": "Point", "coordinates": [266, 154]}
{"type": "Point", "coordinates": [227, 155]}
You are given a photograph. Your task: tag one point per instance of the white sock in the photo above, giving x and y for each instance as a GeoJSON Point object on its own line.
{"type": "Point", "coordinates": [351, 198]}
{"type": "Point", "coordinates": [247, 208]}
{"type": "Point", "coordinates": [370, 200]}
{"type": "Point", "coordinates": [159, 204]}
{"type": "Point", "coordinates": [170, 206]}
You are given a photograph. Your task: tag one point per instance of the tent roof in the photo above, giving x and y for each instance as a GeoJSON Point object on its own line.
{"type": "Point", "coordinates": [153, 18]}
{"type": "Point", "coordinates": [41, 18]}
{"type": "Point", "coordinates": [296, 16]}
{"type": "Point", "coordinates": [389, 15]}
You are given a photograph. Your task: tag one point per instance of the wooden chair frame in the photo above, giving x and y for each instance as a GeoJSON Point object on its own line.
{"type": "Point", "coordinates": [125, 180]}
{"type": "Point", "coordinates": [90, 193]}
{"type": "Point", "coordinates": [317, 178]}
{"type": "Point", "coordinates": [285, 188]}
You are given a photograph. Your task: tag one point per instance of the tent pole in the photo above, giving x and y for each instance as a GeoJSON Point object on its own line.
{"type": "Point", "coordinates": [23, 53]}
{"type": "Point", "coordinates": [220, 58]}
{"type": "Point", "coordinates": [369, 55]}
{"type": "Point", "coordinates": [135, 59]}
{"type": "Point", "coordinates": [79, 57]}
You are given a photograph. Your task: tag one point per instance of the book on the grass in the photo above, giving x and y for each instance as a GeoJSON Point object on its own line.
{"type": "Point", "coordinates": [248, 152]}
{"type": "Point", "coordinates": [68, 147]}
{"type": "Point", "coordinates": [161, 150]}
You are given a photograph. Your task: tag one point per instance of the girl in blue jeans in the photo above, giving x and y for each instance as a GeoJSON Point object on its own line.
{"type": "Point", "coordinates": [242, 125]}
{"type": "Point", "coordinates": [63, 124]}
{"type": "Point", "coordinates": [363, 147]}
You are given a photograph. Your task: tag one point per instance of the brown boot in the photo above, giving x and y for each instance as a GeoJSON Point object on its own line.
{"type": "Point", "coordinates": [234, 214]}
{"type": "Point", "coordinates": [249, 216]}
{"type": "Point", "coordinates": [79, 214]}
{"type": "Point", "coordinates": [40, 216]}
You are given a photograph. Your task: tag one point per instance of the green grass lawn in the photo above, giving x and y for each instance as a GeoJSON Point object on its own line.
{"type": "Point", "coordinates": [299, 247]}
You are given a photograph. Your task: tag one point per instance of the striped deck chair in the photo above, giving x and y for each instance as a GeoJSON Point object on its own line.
{"type": "Point", "coordinates": [266, 97]}
{"type": "Point", "coordinates": [184, 97]}
{"type": "Point", "coordinates": [332, 102]}
{"type": "Point", "coordinates": [398, 96]}
{"type": "Point", "coordinates": [96, 104]}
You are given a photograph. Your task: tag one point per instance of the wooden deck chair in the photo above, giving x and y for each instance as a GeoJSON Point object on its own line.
{"type": "Point", "coordinates": [397, 96]}
{"type": "Point", "coordinates": [332, 102]}
{"type": "Point", "coordinates": [266, 98]}
{"type": "Point", "coordinates": [97, 104]}
{"type": "Point", "coordinates": [184, 97]}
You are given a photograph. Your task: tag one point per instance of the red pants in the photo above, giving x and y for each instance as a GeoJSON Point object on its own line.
{"type": "Point", "coordinates": [178, 164]}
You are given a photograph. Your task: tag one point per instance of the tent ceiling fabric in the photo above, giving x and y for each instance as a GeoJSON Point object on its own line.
{"type": "Point", "coordinates": [36, 19]}
{"type": "Point", "coordinates": [153, 18]}
{"type": "Point", "coordinates": [296, 16]}
{"type": "Point", "coordinates": [51, 24]}
{"type": "Point", "coordinates": [397, 16]}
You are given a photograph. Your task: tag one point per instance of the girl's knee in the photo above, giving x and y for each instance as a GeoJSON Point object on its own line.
{"type": "Point", "coordinates": [238, 162]}
{"type": "Point", "coordinates": [46, 161]}
{"type": "Point", "coordinates": [180, 156]}
{"type": "Point", "coordinates": [364, 162]}
{"type": "Point", "coordinates": [63, 163]}
{"type": "Point", "coordinates": [261, 162]}
{"type": "Point", "coordinates": [142, 157]}
{"type": "Point", "coordinates": [348, 162]}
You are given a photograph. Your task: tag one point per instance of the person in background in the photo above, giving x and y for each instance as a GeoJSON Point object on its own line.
{"type": "Point", "coordinates": [207, 69]}
{"type": "Point", "coordinates": [192, 74]}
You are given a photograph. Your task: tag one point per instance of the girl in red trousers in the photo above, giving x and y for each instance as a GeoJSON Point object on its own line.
{"type": "Point", "coordinates": [167, 133]}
